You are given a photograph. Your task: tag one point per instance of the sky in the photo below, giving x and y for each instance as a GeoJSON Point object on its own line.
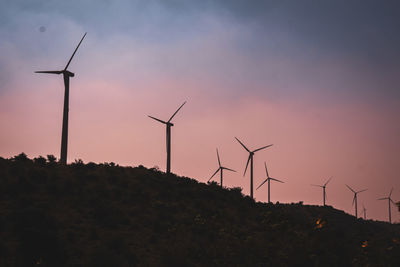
{"type": "Point", "coordinates": [317, 79]}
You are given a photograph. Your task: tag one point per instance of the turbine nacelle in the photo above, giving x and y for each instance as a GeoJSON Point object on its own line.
{"type": "Point", "coordinates": [355, 192]}
{"type": "Point", "coordinates": [65, 71]}
{"type": "Point", "coordinates": [268, 177]}
{"type": "Point", "coordinates": [168, 123]}
{"type": "Point", "coordinates": [70, 74]}
{"type": "Point", "coordinates": [251, 153]}
{"type": "Point", "coordinates": [389, 198]}
{"type": "Point", "coordinates": [220, 168]}
{"type": "Point", "coordinates": [325, 184]}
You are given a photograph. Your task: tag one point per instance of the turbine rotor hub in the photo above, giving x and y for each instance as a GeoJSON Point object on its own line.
{"type": "Point", "coordinates": [70, 74]}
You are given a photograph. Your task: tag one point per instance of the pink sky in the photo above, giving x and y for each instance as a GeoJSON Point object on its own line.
{"type": "Point", "coordinates": [108, 122]}
{"type": "Point", "coordinates": [326, 97]}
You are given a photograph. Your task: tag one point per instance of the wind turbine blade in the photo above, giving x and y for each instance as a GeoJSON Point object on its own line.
{"type": "Point", "coordinates": [243, 145]}
{"type": "Point", "coordinates": [351, 189]}
{"type": "Point", "coordinates": [316, 185]}
{"type": "Point", "coordinates": [392, 201]}
{"type": "Point", "coordinates": [384, 198]}
{"type": "Point", "coordinates": [326, 196]}
{"type": "Point", "coordinates": [75, 51]}
{"type": "Point", "coordinates": [328, 181]}
{"type": "Point", "coordinates": [362, 191]}
{"type": "Point", "coordinates": [247, 164]}
{"type": "Point", "coordinates": [49, 71]}
{"type": "Point", "coordinates": [214, 174]}
{"type": "Point", "coordinates": [391, 192]}
{"type": "Point", "coordinates": [157, 119]}
{"type": "Point", "coordinates": [262, 184]}
{"type": "Point", "coordinates": [219, 161]}
{"type": "Point", "coordinates": [354, 200]}
{"type": "Point", "coordinates": [261, 148]}
{"type": "Point", "coordinates": [228, 169]}
{"type": "Point", "coordinates": [266, 169]}
{"type": "Point", "coordinates": [276, 180]}
{"type": "Point", "coordinates": [173, 115]}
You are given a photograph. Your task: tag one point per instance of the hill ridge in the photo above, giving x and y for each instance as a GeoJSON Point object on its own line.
{"type": "Point", "coordinates": [108, 215]}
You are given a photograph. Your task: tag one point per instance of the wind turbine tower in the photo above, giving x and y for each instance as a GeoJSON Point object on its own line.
{"type": "Point", "coordinates": [250, 159]}
{"type": "Point", "coordinates": [323, 190]}
{"type": "Point", "coordinates": [365, 212]}
{"type": "Point", "coordinates": [355, 197]}
{"type": "Point", "coordinates": [169, 124]}
{"type": "Point", "coordinates": [389, 199]}
{"type": "Point", "coordinates": [220, 169]}
{"type": "Point", "coordinates": [66, 75]}
{"type": "Point", "coordinates": [268, 180]}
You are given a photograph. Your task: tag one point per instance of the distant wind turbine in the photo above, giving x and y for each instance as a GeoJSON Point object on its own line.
{"type": "Point", "coordinates": [268, 180]}
{"type": "Point", "coordinates": [66, 74]}
{"type": "Point", "coordinates": [355, 197]}
{"type": "Point", "coordinates": [365, 212]}
{"type": "Point", "coordinates": [389, 199]}
{"type": "Point", "coordinates": [250, 159]}
{"type": "Point", "coordinates": [220, 169]}
{"type": "Point", "coordinates": [324, 196]}
{"type": "Point", "coordinates": [169, 124]}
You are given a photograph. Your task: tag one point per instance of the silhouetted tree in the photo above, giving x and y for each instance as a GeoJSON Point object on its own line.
{"type": "Point", "coordinates": [51, 159]}
{"type": "Point", "coordinates": [40, 160]}
{"type": "Point", "coordinates": [78, 162]}
{"type": "Point", "coordinates": [21, 157]}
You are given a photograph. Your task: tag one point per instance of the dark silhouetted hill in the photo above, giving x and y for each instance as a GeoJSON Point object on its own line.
{"type": "Point", "coordinates": [107, 215]}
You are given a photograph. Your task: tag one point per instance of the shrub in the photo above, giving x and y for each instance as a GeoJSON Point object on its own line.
{"type": "Point", "coordinates": [40, 161]}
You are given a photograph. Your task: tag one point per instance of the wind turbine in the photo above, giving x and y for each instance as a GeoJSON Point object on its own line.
{"type": "Point", "coordinates": [389, 200]}
{"type": "Point", "coordinates": [220, 169]}
{"type": "Point", "coordinates": [323, 189]}
{"type": "Point", "coordinates": [365, 212]}
{"type": "Point", "coordinates": [250, 159]}
{"type": "Point", "coordinates": [66, 74]}
{"type": "Point", "coordinates": [268, 180]}
{"type": "Point", "coordinates": [355, 197]}
{"type": "Point", "coordinates": [169, 124]}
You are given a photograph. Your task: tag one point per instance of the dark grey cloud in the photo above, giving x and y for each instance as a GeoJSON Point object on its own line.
{"type": "Point", "coordinates": [310, 37]}
{"type": "Point", "coordinates": [362, 26]}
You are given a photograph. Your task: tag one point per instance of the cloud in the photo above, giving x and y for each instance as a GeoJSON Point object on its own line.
{"type": "Point", "coordinates": [273, 48]}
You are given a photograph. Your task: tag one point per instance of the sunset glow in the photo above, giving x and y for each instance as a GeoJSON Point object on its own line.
{"type": "Point", "coordinates": [319, 82]}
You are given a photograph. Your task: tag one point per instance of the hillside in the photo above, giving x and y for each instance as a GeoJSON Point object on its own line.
{"type": "Point", "coordinates": [107, 215]}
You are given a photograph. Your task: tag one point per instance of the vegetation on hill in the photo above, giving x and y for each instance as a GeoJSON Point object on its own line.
{"type": "Point", "coordinates": [107, 215]}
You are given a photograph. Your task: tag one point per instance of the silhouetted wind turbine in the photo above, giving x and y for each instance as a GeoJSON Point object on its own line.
{"type": "Point", "coordinates": [389, 200]}
{"type": "Point", "coordinates": [169, 124]}
{"type": "Point", "coordinates": [268, 180]}
{"type": "Point", "coordinates": [66, 74]}
{"type": "Point", "coordinates": [355, 196]}
{"type": "Point", "coordinates": [250, 159]}
{"type": "Point", "coordinates": [365, 212]}
{"type": "Point", "coordinates": [323, 189]}
{"type": "Point", "coordinates": [220, 169]}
